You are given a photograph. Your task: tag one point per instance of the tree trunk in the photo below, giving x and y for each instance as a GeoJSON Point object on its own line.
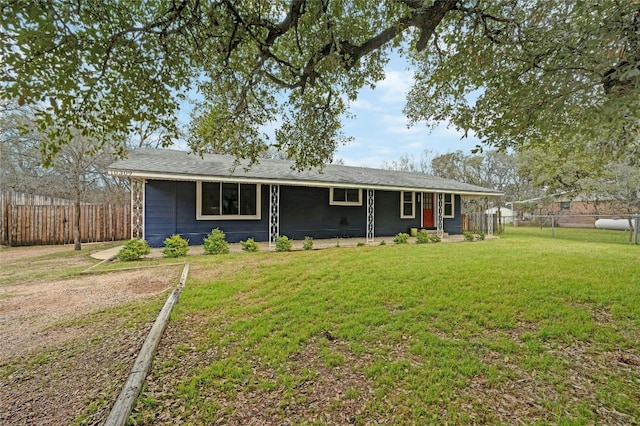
{"type": "Point", "coordinates": [76, 225]}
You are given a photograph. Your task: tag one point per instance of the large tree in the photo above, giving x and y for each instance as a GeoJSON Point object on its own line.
{"type": "Point", "coordinates": [513, 72]}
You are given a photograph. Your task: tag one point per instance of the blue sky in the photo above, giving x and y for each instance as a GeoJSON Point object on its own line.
{"type": "Point", "coordinates": [380, 127]}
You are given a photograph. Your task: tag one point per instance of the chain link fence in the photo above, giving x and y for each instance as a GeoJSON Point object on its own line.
{"type": "Point", "coordinates": [613, 228]}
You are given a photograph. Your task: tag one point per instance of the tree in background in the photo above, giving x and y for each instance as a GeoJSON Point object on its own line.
{"type": "Point", "coordinates": [23, 169]}
{"type": "Point", "coordinates": [78, 172]}
{"type": "Point", "coordinates": [407, 163]}
{"type": "Point", "coordinates": [514, 72]}
{"type": "Point", "coordinates": [81, 168]}
{"type": "Point", "coordinates": [20, 164]}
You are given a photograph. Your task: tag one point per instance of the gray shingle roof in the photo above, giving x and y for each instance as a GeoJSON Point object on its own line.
{"type": "Point", "coordinates": [180, 165]}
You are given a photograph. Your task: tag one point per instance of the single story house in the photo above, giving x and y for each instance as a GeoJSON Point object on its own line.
{"type": "Point", "coordinates": [177, 192]}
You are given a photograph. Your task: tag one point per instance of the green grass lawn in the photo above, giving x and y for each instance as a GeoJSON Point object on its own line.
{"type": "Point", "coordinates": [522, 328]}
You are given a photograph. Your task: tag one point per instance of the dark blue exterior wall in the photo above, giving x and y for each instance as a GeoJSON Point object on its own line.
{"type": "Point", "coordinates": [454, 225]}
{"type": "Point", "coordinates": [387, 214]}
{"type": "Point", "coordinates": [305, 211]}
{"type": "Point", "coordinates": [170, 208]}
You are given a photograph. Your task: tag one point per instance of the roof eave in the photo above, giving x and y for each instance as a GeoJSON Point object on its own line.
{"type": "Point", "coordinates": [310, 183]}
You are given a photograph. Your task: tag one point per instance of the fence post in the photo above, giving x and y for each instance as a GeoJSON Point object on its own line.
{"type": "Point", "coordinates": [553, 226]}
{"type": "Point", "coordinates": [635, 228]}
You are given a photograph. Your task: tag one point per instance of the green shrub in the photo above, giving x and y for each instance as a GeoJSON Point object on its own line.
{"type": "Point", "coordinates": [422, 237]}
{"type": "Point", "coordinates": [470, 236]}
{"type": "Point", "coordinates": [401, 238]}
{"type": "Point", "coordinates": [434, 238]}
{"type": "Point", "coordinates": [383, 243]}
{"type": "Point", "coordinates": [308, 243]}
{"type": "Point", "coordinates": [283, 243]}
{"type": "Point", "coordinates": [175, 246]}
{"type": "Point", "coordinates": [216, 243]}
{"type": "Point", "coordinates": [250, 245]}
{"type": "Point", "coordinates": [360, 244]}
{"type": "Point", "coordinates": [133, 249]}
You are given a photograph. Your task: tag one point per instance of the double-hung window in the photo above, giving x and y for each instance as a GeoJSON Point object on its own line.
{"type": "Point", "coordinates": [407, 205]}
{"type": "Point", "coordinates": [449, 206]}
{"type": "Point", "coordinates": [227, 200]}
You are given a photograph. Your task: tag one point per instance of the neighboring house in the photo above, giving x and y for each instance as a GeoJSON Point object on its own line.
{"type": "Point", "coordinates": [175, 192]}
{"type": "Point", "coordinates": [570, 209]}
{"type": "Point", "coordinates": [505, 214]}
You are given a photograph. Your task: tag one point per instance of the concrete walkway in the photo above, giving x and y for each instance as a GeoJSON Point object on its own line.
{"type": "Point", "coordinates": [264, 246]}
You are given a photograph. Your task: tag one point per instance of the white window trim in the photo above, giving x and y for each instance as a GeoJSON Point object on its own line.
{"type": "Point", "coordinates": [453, 206]}
{"type": "Point", "coordinates": [199, 216]}
{"type": "Point", "coordinates": [413, 205]}
{"type": "Point", "coordinates": [345, 203]}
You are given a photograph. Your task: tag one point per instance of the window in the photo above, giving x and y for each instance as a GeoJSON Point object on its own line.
{"type": "Point", "coordinates": [345, 197]}
{"type": "Point", "coordinates": [407, 205]}
{"type": "Point", "coordinates": [227, 200]}
{"type": "Point", "coordinates": [448, 207]}
{"type": "Point", "coordinates": [565, 205]}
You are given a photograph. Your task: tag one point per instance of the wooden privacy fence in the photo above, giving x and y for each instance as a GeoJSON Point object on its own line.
{"type": "Point", "coordinates": [24, 225]}
{"type": "Point", "coordinates": [479, 222]}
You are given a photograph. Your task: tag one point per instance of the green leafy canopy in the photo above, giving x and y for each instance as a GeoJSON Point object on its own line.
{"type": "Point", "coordinates": [539, 71]}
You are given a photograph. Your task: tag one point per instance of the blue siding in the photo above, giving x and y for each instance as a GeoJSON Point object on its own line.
{"type": "Point", "coordinates": [305, 211]}
{"type": "Point", "coordinates": [387, 214]}
{"type": "Point", "coordinates": [170, 208]}
{"type": "Point", "coordinates": [160, 211]}
{"type": "Point", "coordinates": [454, 225]}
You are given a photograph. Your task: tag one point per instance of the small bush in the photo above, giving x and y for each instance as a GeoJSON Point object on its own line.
{"type": "Point", "coordinates": [470, 236]}
{"type": "Point", "coordinates": [250, 245]}
{"type": "Point", "coordinates": [383, 243]}
{"type": "Point", "coordinates": [401, 238]}
{"type": "Point", "coordinates": [422, 237]}
{"type": "Point", "coordinates": [283, 243]}
{"type": "Point", "coordinates": [216, 243]}
{"type": "Point", "coordinates": [133, 249]}
{"type": "Point", "coordinates": [360, 244]}
{"type": "Point", "coordinates": [308, 243]}
{"type": "Point", "coordinates": [175, 246]}
{"type": "Point", "coordinates": [434, 238]}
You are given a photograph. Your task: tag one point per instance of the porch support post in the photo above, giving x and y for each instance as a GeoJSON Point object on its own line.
{"type": "Point", "coordinates": [137, 208]}
{"type": "Point", "coordinates": [370, 215]}
{"type": "Point", "coordinates": [490, 224]}
{"type": "Point", "coordinates": [274, 214]}
{"type": "Point", "coordinates": [440, 215]}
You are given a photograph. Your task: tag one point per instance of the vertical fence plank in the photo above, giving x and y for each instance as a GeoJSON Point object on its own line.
{"type": "Point", "coordinates": [53, 224]}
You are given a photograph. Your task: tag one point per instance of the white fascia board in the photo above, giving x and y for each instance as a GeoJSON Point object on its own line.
{"type": "Point", "coordinates": [314, 184]}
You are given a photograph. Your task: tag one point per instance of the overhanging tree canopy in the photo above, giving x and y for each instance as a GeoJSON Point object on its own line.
{"type": "Point", "coordinates": [542, 70]}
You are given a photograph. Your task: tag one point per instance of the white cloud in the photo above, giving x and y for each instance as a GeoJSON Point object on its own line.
{"type": "Point", "coordinates": [365, 104]}
{"type": "Point", "coordinates": [395, 86]}
{"type": "Point", "coordinates": [398, 124]}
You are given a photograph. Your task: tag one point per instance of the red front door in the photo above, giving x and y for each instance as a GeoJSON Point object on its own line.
{"type": "Point", "coordinates": [427, 210]}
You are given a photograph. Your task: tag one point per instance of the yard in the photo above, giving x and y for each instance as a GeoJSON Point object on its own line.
{"type": "Point", "coordinates": [524, 328]}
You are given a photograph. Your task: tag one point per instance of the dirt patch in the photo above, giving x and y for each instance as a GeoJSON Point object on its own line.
{"type": "Point", "coordinates": [11, 254]}
{"type": "Point", "coordinates": [28, 312]}
{"type": "Point", "coordinates": [55, 362]}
